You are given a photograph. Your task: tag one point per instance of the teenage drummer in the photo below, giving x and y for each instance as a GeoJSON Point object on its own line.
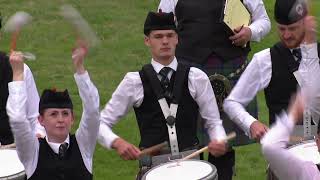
{"type": "Point", "coordinates": [166, 97]}
{"type": "Point", "coordinates": [59, 155]}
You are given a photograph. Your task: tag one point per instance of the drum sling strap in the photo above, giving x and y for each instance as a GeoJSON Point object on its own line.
{"type": "Point", "coordinates": [169, 112]}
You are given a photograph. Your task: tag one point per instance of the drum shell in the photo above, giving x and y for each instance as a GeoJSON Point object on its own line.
{"type": "Point", "coordinates": [211, 176]}
{"type": "Point", "coordinates": [13, 176]}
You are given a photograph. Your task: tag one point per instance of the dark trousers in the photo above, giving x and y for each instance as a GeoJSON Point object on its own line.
{"type": "Point", "coordinates": [224, 164]}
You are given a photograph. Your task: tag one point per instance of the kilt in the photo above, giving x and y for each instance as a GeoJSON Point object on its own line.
{"type": "Point", "coordinates": [232, 70]}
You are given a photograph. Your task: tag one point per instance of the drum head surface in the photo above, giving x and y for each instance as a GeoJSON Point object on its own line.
{"type": "Point", "coordinates": [9, 163]}
{"type": "Point", "coordinates": [184, 170]}
{"type": "Point", "coordinates": [307, 151]}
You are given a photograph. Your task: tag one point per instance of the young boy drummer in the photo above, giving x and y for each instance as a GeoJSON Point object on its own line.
{"type": "Point", "coordinates": [59, 155]}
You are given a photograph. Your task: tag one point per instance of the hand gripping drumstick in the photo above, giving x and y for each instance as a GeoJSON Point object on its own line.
{"type": "Point", "coordinates": [154, 148]}
{"type": "Point", "coordinates": [229, 137]}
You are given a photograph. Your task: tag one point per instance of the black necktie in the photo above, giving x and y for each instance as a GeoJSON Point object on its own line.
{"type": "Point", "coordinates": [62, 150]}
{"type": "Point", "coordinates": [297, 54]}
{"type": "Point", "coordinates": [164, 81]}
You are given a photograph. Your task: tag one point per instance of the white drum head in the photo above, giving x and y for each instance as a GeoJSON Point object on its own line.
{"type": "Point", "coordinates": [184, 170]}
{"type": "Point", "coordinates": [9, 163]}
{"type": "Point", "coordinates": [307, 151]}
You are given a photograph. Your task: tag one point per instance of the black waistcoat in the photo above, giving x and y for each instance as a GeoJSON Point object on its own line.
{"type": "Point", "coordinates": [151, 121]}
{"type": "Point", "coordinates": [49, 166]}
{"type": "Point", "coordinates": [201, 32]}
{"type": "Point", "coordinates": [283, 84]}
{"type": "Point", "coordinates": [6, 136]}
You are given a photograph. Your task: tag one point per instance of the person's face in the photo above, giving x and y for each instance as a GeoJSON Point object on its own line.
{"type": "Point", "coordinates": [162, 44]}
{"type": "Point", "coordinates": [292, 35]}
{"type": "Point", "coordinates": [57, 122]}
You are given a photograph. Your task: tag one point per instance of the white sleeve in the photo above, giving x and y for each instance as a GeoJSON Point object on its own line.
{"type": "Point", "coordinates": [32, 102]}
{"type": "Point", "coordinates": [87, 132]}
{"type": "Point", "coordinates": [201, 90]}
{"type": "Point", "coordinates": [284, 164]}
{"type": "Point", "coordinates": [260, 25]}
{"type": "Point", "coordinates": [129, 93]}
{"type": "Point", "coordinates": [26, 142]}
{"type": "Point", "coordinates": [256, 77]}
{"type": "Point", "coordinates": [167, 5]}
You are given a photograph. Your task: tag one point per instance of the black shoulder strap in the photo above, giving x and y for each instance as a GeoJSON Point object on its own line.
{"type": "Point", "coordinates": [178, 82]}
{"type": "Point", "coordinates": [318, 166]}
{"type": "Point", "coordinates": [151, 75]}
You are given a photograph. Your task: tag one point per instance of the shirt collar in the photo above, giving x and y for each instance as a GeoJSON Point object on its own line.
{"type": "Point", "coordinates": [157, 66]}
{"type": "Point", "coordinates": [55, 146]}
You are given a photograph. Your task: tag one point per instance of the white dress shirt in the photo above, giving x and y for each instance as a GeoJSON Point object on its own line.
{"type": "Point", "coordinates": [26, 142]}
{"type": "Point", "coordinates": [257, 77]}
{"type": "Point", "coordinates": [130, 94]}
{"type": "Point", "coordinates": [32, 102]}
{"type": "Point", "coordinates": [284, 164]}
{"type": "Point", "coordinates": [259, 26]}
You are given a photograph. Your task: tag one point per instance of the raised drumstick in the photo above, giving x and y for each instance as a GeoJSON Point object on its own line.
{"type": "Point", "coordinates": [80, 25]}
{"type": "Point", "coordinates": [229, 137]}
{"type": "Point", "coordinates": [14, 25]}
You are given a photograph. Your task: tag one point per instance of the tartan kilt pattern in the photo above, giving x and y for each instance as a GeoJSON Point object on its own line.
{"type": "Point", "coordinates": [225, 68]}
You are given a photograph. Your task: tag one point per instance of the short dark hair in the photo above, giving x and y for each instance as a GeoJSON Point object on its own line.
{"type": "Point", "coordinates": [159, 21]}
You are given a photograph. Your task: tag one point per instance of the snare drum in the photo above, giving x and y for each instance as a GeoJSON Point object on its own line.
{"type": "Point", "coordinates": [306, 151]}
{"type": "Point", "coordinates": [10, 165]}
{"type": "Point", "coordinates": [184, 170]}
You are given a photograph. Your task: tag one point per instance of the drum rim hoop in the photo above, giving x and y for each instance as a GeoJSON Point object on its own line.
{"type": "Point", "coordinates": [213, 173]}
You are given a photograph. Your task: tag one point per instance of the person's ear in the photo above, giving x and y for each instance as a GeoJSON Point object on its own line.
{"type": "Point", "coordinates": [147, 41]}
{"type": "Point", "coordinates": [41, 120]}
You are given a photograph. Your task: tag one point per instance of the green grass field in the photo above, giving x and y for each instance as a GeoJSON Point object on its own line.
{"type": "Point", "coordinates": [119, 24]}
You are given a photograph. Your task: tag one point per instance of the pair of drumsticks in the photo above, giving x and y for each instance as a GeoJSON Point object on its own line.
{"type": "Point", "coordinates": [158, 147]}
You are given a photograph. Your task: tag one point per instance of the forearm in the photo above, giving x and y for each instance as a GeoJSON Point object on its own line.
{"type": "Point", "coordinates": [26, 141]}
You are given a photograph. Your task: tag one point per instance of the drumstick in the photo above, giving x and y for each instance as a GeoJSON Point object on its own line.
{"type": "Point", "coordinates": [14, 25]}
{"type": "Point", "coordinates": [8, 146]}
{"type": "Point", "coordinates": [80, 25]}
{"type": "Point", "coordinates": [154, 148]}
{"type": "Point", "coordinates": [229, 137]}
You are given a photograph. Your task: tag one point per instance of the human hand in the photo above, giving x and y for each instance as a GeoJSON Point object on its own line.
{"type": "Point", "coordinates": [16, 60]}
{"type": "Point", "coordinates": [258, 130]}
{"type": "Point", "coordinates": [126, 150]}
{"type": "Point", "coordinates": [78, 55]}
{"type": "Point", "coordinates": [296, 108]}
{"type": "Point", "coordinates": [242, 36]}
{"type": "Point", "coordinates": [217, 148]}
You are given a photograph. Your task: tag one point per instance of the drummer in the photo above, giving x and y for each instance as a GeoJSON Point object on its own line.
{"type": "Point", "coordinates": [137, 91]}
{"type": "Point", "coordinates": [278, 70]}
{"type": "Point", "coordinates": [58, 155]}
{"type": "Point", "coordinates": [6, 136]}
{"type": "Point", "coordinates": [284, 164]}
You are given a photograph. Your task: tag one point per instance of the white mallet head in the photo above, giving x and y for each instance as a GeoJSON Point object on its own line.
{"type": "Point", "coordinates": [16, 21]}
{"type": "Point", "coordinates": [80, 25]}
